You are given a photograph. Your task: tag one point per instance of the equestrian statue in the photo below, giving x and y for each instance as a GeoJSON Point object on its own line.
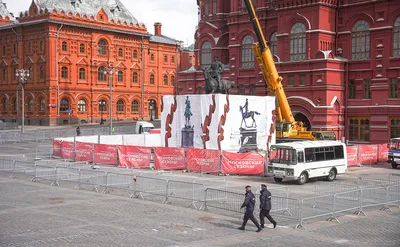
{"type": "Point", "coordinates": [214, 82]}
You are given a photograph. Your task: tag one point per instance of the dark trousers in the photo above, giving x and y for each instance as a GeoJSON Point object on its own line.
{"type": "Point", "coordinates": [250, 215]}
{"type": "Point", "coordinates": [265, 213]}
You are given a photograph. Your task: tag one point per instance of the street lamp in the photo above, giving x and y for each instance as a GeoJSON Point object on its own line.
{"type": "Point", "coordinates": [111, 71]}
{"type": "Point", "coordinates": [23, 75]}
{"type": "Point", "coordinates": [151, 107]}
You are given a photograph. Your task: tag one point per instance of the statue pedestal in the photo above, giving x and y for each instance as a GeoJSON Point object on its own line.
{"type": "Point", "coordinates": [187, 137]}
{"type": "Point", "coordinates": [248, 140]}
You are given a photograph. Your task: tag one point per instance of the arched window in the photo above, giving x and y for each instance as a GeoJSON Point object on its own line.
{"type": "Point", "coordinates": [102, 47]}
{"type": "Point", "coordinates": [396, 38]}
{"type": "Point", "coordinates": [15, 104]}
{"type": "Point", "coordinates": [64, 72]}
{"type": "Point", "coordinates": [42, 72]}
{"type": "Point", "coordinates": [151, 79]}
{"type": "Point", "coordinates": [172, 59]}
{"type": "Point", "coordinates": [42, 105]}
{"type": "Point", "coordinates": [82, 74]}
{"type": "Point", "coordinates": [134, 77]}
{"type": "Point", "coordinates": [205, 54]}
{"type": "Point", "coordinates": [41, 46]}
{"type": "Point", "coordinates": [206, 8]}
{"type": "Point", "coordinates": [82, 105]}
{"type": "Point", "coordinates": [101, 75]}
{"type": "Point", "coordinates": [360, 41]}
{"type": "Point", "coordinates": [152, 57]}
{"type": "Point", "coordinates": [64, 46]}
{"type": "Point", "coordinates": [5, 73]}
{"type": "Point", "coordinates": [165, 59]}
{"type": "Point", "coordinates": [5, 105]}
{"type": "Point", "coordinates": [30, 73]}
{"type": "Point", "coordinates": [134, 54]}
{"type": "Point", "coordinates": [247, 53]}
{"type": "Point", "coordinates": [120, 52]}
{"type": "Point", "coordinates": [120, 76]}
{"type": "Point", "coordinates": [298, 42]}
{"type": "Point", "coordinates": [273, 43]}
{"type": "Point", "coordinates": [64, 105]}
{"type": "Point", "coordinates": [120, 106]}
{"type": "Point", "coordinates": [135, 106]}
{"type": "Point", "coordinates": [172, 80]}
{"type": "Point", "coordinates": [165, 80]}
{"type": "Point", "coordinates": [102, 106]}
{"type": "Point", "coordinates": [30, 48]}
{"type": "Point", "coordinates": [82, 48]}
{"type": "Point", "coordinates": [15, 49]}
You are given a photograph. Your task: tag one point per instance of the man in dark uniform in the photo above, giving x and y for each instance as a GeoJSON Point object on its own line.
{"type": "Point", "coordinates": [265, 206]}
{"type": "Point", "coordinates": [249, 203]}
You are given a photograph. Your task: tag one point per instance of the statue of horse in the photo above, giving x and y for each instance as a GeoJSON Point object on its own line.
{"type": "Point", "coordinates": [211, 84]}
{"type": "Point", "coordinates": [249, 114]}
{"type": "Point", "coordinates": [227, 86]}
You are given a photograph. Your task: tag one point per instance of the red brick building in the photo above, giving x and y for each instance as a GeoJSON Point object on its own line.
{"type": "Point", "coordinates": [339, 59]}
{"type": "Point", "coordinates": [67, 46]}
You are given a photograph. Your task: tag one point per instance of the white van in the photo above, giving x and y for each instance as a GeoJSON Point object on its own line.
{"type": "Point", "coordinates": [143, 127]}
{"type": "Point", "coordinates": [307, 159]}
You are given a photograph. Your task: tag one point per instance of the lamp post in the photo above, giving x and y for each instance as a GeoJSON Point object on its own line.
{"type": "Point", "coordinates": [110, 71]}
{"type": "Point", "coordinates": [151, 107]}
{"type": "Point", "coordinates": [23, 75]}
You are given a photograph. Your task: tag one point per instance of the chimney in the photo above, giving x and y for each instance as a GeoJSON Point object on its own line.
{"type": "Point", "coordinates": [157, 28]}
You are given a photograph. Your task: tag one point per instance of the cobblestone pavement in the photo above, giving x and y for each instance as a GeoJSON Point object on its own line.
{"type": "Point", "coordinates": [34, 214]}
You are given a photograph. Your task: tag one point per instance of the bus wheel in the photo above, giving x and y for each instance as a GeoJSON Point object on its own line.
{"type": "Point", "coordinates": [278, 180]}
{"type": "Point", "coordinates": [332, 175]}
{"type": "Point", "coordinates": [303, 178]}
{"type": "Point", "coordinates": [394, 165]}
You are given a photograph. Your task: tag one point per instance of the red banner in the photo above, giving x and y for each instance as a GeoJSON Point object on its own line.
{"type": "Point", "coordinates": [84, 151]}
{"type": "Point", "coordinates": [57, 148]}
{"type": "Point", "coordinates": [105, 154]}
{"type": "Point", "coordinates": [203, 160]}
{"type": "Point", "coordinates": [251, 163]}
{"type": "Point", "coordinates": [383, 152]}
{"type": "Point", "coordinates": [352, 155]}
{"type": "Point", "coordinates": [134, 157]}
{"type": "Point", "coordinates": [368, 154]}
{"type": "Point", "coordinates": [67, 150]}
{"type": "Point", "coordinates": [169, 158]}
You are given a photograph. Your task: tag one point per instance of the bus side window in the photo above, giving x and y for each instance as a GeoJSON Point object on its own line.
{"type": "Point", "coordinates": [300, 157]}
{"type": "Point", "coordinates": [309, 154]}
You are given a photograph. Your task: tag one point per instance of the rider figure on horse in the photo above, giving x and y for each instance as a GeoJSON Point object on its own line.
{"type": "Point", "coordinates": [216, 69]}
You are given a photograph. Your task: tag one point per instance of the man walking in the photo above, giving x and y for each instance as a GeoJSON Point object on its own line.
{"type": "Point", "coordinates": [249, 203]}
{"type": "Point", "coordinates": [265, 206]}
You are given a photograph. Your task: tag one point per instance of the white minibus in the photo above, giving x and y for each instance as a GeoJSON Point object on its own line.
{"type": "Point", "coordinates": [307, 159]}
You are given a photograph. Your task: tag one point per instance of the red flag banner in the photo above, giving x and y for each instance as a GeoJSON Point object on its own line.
{"type": "Point", "coordinates": [57, 148]}
{"type": "Point", "coordinates": [84, 151]}
{"type": "Point", "coordinates": [352, 155]}
{"type": "Point", "coordinates": [368, 154]}
{"type": "Point", "coordinates": [251, 163]}
{"type": "Point", "coordinates": [105, 154]}
{"type": "Point", "coordinates": [67, 150]}
{"type": "Point", "coordinates": [134, 157]}
{"type": "Point", "coordinates": [203, 160]}
{"type": "Point", "coordinates": [169, 158]}
{"type": "Point", "coordinates": [383, 152]}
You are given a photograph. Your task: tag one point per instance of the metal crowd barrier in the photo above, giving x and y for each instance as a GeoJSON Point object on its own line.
{"type": "Point", "coordinates": [193, 192]}
{"type": "Point", "coordinates": [150, 186]}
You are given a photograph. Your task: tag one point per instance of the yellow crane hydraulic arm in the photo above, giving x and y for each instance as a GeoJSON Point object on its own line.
{"type": "Point", "coordinates": [267, 66]}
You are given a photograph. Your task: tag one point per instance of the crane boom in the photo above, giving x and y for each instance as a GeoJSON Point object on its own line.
{"type": "Point", "coordinates": [267, 66]}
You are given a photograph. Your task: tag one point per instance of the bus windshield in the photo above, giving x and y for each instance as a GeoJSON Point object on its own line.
{"type": "Point", "coordinates": [283, 155]}
{"type": "Point", "coordinates": [394, 144]}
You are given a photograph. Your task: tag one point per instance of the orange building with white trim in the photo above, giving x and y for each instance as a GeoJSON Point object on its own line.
{"type": "Point", "coordinates": [67, 46]}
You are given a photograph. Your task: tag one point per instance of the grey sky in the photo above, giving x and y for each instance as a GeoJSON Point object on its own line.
{"type": "Point", "coordinates": [178, 17]}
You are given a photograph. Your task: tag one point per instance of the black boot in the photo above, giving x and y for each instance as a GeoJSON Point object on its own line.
{"type": "Point", "coordinates": [274, 225]}
{"type": "Point", "coordinates": [241, 228]}
{"type": "Point", "coordinates": [259, 229]}
{"type": "Point", "coordinates": [262, 226]}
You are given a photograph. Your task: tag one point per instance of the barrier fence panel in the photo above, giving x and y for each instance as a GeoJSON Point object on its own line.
{"type": "Point", "coordinates": [285, 207]}
{"type": "Point", "coordinates": [393, 195]}
{"type": "Point", "coordinates": [45, 173]}
{"type": "Point", "coordinates": [394, 178]}
{"type": "Point", "coordinates": [192, 192]}
{"type": "Point", "coordinates": [92, 179]}
{"type": "Point", "coordinates": [120, 182]}
{"type": "Point", "coordinates": [349, 201]}
{"type": "Point", "coordinates": [310, 210]}
{"type": "Point", "coordinates": [148, 186]}
{"type": "Point", "coordinates": [374, 197]}
{"type": "Point", "coordinates": [65, 173]}
{"type": "Point", "coordinates": [222, 199]}
{"type": "Point", "coordinates": [333, 188]}
{"type": "Point", "coordinates": [25, 168]}
{"type": "Point", "coordinates": [7, 166]}
{"type": "Point", "coordinates": [214, 183]}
